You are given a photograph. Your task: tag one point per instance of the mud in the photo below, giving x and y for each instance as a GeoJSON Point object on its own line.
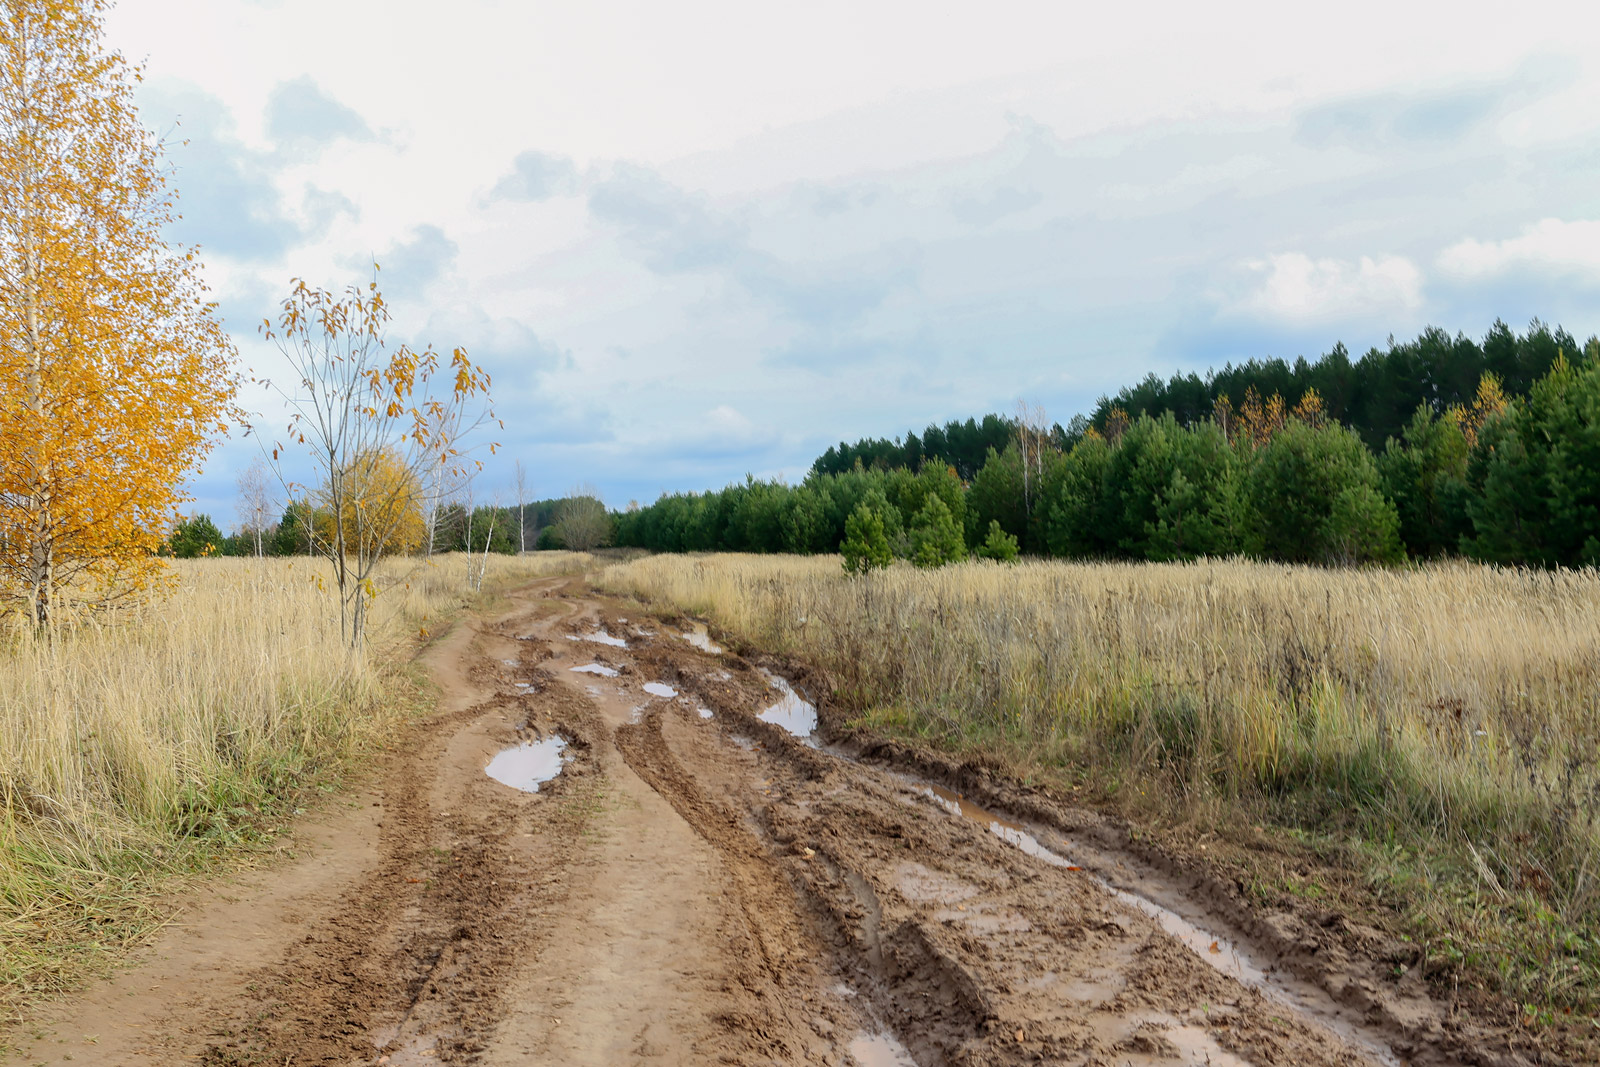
{"type": "Point", "coordinates": [702, 883]}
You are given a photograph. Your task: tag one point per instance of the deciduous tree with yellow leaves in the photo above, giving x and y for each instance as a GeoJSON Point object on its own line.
{"type": "Point", "coordinates": [115, 372]}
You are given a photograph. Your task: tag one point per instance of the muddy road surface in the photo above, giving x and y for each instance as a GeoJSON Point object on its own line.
{"type": "Point", "coordinates": [680, 868]}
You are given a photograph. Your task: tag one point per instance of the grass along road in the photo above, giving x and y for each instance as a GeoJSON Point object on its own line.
{"type": "Point", "coordinates": [180, 735]}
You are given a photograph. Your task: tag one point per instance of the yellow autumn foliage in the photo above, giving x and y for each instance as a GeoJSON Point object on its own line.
{"type": "Point", "coordinates": [115, 372]}
{"type": "Point", "coordinates": [381, 506]}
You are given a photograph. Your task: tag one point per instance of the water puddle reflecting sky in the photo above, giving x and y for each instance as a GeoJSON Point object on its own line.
{"type": "Point", "coordinates": [791, 712]}
{"type": "Point", "coordinates": [529, 764]}
{"type": "Point", "coordinates": [700, 638]}
{"type": "Point", "coordinates": [599, 637]}
{"type": "Point", "coordinates": [596, 668]}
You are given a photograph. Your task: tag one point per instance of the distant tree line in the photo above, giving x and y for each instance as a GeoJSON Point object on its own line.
{"type": "Point", "coordinates": [1496, 457]}
{"type": "Point", "coordinates": [547, 524]}
{"type": "Point", "coordinates": [962, 445]}
{"type": "Point", "coordinates": [1375, 395]}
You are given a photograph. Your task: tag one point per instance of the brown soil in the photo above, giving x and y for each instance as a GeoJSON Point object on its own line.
{"type": "Point", "coordinates": [693, 890]}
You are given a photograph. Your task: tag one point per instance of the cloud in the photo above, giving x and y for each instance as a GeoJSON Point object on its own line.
{"type": "Point", "coordinates": [323, 207]}
{"type": "Point", "coordinates": [410, 266]}
{"type": "Point", "coordinates": [724, 433]}
{"type": "Point", "coordinates": [537, 176]}
{"type": "Point", "coordinates": [984, 210]}
{"type": "Point", "coordinates": [1383, 119]}
{"type": "Point", "coordinates": [228, 198]}
{"type": "Point", "coordinates": [1551, 246]}
{"type": "Point", "coordinates": [303, 118]}
{"type": "Point", "coordinates": [1295, 286]}
{"type": "Point", "coordinates": [517, 355]}
{"type": "Point", "coordinates": [677, 230]}
{"type": "Point", "coordinates": [1436, 116]}
{"type": "Point", "coordinates": [681, 232]}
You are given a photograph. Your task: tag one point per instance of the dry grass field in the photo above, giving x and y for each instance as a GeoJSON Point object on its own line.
{"type": "Point", "coordinates": [140, 745]}
{"type": "Point", "coordinates": [1438, 728]}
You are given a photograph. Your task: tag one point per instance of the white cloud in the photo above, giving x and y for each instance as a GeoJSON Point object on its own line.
{"type": "Point", "coordinates": [1295, 286]}
{"type": "Point", "coordinates": [1552, 245]}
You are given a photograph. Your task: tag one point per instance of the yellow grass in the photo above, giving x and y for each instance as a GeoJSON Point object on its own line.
{"type": "Point", "coordinates": [130, 745]}
{"type": "Point", "coordinates": [1452, 706]}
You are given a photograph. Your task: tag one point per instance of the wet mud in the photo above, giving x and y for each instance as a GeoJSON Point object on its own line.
{"type": "Point", "coordinates": [658, 851]}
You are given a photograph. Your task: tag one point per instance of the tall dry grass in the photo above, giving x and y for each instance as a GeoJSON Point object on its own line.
{"type": "Point", "coordinates": [133, 744]}
{"type": "Point", "coordinates": [1446, 711]}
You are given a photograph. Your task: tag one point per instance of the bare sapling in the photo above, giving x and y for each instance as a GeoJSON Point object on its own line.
{"type": "Point", "coordinates": [255, 502]}
{"type": "Point", "coordinates": [522, 508]}
{"type": "Point", "coordinates": [376, 428]}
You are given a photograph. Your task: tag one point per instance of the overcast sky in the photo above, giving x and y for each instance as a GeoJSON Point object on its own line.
{"type": "Point", "coordinates": [692, 240]}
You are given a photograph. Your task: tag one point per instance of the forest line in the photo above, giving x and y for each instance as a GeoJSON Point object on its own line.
{"type": "Point", "coordinates": [1497, 459]}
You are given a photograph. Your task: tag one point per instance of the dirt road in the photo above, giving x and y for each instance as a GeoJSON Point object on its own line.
{"type": "Point", "coordinates": [698, 885]}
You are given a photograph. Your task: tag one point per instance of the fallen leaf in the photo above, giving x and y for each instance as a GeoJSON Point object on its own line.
{"type": "Point", "coordinates": [1214, 947]}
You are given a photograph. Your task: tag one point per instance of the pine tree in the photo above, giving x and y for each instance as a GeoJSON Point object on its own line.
{"type": "Point", "coordinates": [998, 545]}
{"type": "Point", "coordinates": [865, 547]}
{"type": "Point", "coordinates": [935, 537]}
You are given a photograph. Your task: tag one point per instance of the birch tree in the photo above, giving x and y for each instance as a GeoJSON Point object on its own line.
{"type": "Point", "coordinates": [375, 422]}
{"type": "Point", "coordinates": [116, 376]}
{"type": "Point", "coordinates": [255, 502]}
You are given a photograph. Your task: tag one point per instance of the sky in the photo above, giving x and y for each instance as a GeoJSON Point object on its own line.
{"type": "Point", "coordinates": [699, 240]}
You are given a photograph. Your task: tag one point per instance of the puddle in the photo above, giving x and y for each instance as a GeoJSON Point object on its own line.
{"type": "Point", "coordinates": [599, 637]}
{"type": "Point", "coordinates": [700, 638]}
{"type": "Point", "coordinates": [1010, 832]}
{"type": "Point", "coordinates": [1213, 949]}
{"type": "Point", "coordinates": [660, 689]}
{"type": "Point", "coordinates": [705, 713]}
{"type": "Point", "coordinates": [880, 1050]}
{"type": "Point", "coordinates": [596, 668]}
{"type": "Point", "coordinates": [528, 764]}
{"type": "Point", "coordinates": [791, 712]}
